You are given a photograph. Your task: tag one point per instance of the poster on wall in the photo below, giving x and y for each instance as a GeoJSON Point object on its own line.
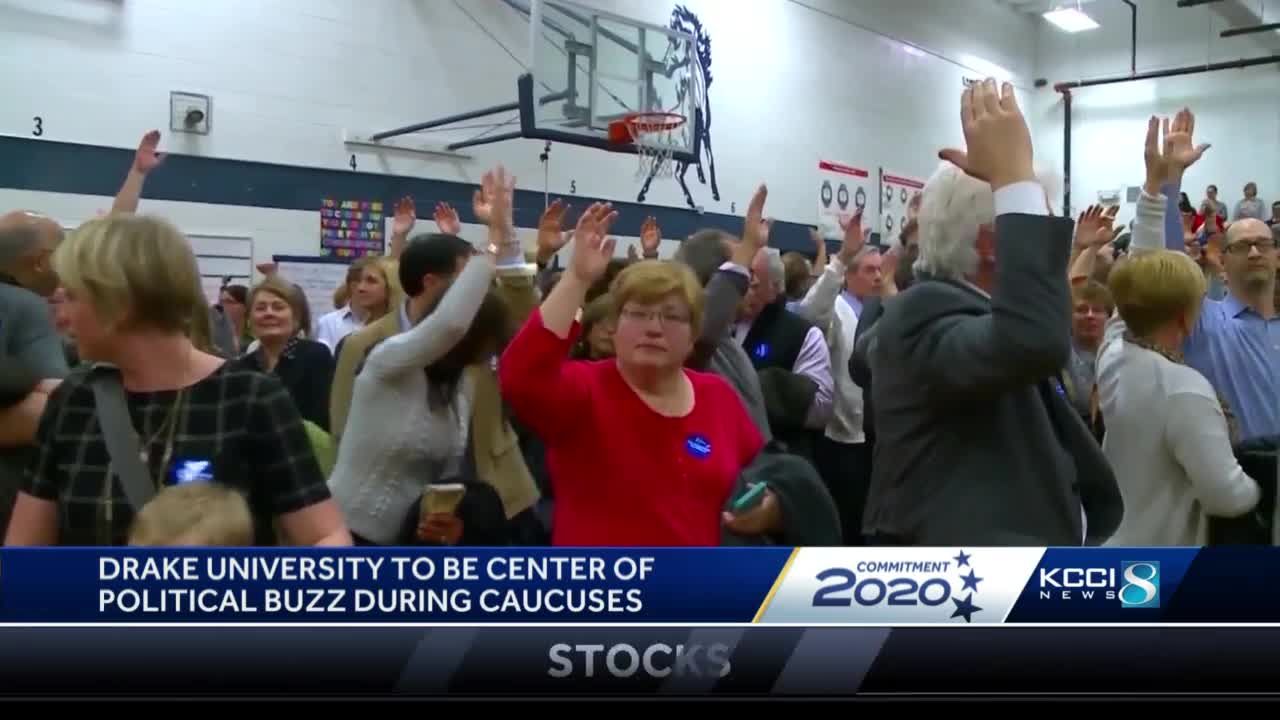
{"type": "Point", "coordinates": [351, 228]}
{"type": "Point", "coordinates": [896, 193]}
{"type": "Point", "coordinates": [317, 276]}
{"type": "Point", "coordinates": [843, 190]}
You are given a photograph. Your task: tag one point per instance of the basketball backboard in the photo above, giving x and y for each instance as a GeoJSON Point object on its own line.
{"type": "Point", "coordinates": [589, 67]}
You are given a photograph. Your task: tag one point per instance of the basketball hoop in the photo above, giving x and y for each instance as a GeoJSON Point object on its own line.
{"type": "Point", "coordinates": [653, 135]}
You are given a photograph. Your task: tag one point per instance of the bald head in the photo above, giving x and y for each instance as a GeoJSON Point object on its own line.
{"type": "Point", "coordinates": [1246, 229]}
{"type": "Point", "coordinates": [27, 241]}
{"type": "Point", "coordinates": [1250, 259]}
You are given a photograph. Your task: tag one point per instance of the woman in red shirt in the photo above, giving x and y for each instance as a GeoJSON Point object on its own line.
{"type": "Point", "coordinates": [641, 451]}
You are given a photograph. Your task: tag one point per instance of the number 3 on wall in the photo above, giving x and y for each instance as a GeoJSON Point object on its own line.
{"type": "Point", "coordinates": [38, 130]}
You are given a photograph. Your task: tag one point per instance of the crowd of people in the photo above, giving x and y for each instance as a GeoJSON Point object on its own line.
{"type": "Point", "coordinates": [994, 375]}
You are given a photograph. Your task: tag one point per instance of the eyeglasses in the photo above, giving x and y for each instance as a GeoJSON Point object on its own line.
{"type": "Point", "coordinates": [666, 318]}
{"type": "Point", "coordinates": [1242, 247]}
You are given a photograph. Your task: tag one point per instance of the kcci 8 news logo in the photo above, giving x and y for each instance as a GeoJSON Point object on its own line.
{"type": "Point", "coordinates": [1136, 583]}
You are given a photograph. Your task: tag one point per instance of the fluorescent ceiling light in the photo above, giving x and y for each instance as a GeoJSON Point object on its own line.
{"type": "Point", "coordinates": [1070, 20]}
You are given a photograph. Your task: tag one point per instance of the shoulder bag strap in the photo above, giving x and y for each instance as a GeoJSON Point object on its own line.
{"type": "Point", "coordinates": [120, 436]}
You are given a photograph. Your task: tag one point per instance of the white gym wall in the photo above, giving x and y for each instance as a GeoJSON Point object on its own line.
{"type": "Point", "coordinates": [871, 83]}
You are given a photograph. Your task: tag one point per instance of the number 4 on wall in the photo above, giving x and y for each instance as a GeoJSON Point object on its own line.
{"type": "Point", "coordinates": [353, 162]}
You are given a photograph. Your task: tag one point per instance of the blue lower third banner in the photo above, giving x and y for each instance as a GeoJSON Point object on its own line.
{"type": "Point", "coordinates": [810, 587]}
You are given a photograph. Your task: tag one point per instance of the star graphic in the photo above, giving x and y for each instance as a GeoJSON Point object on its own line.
{"type": "Point", "coordinates": [965, 608]}
{"type": "Point", "coordinates": [962, 559]}
{"type": "Point", "coordinates": [971, 580]}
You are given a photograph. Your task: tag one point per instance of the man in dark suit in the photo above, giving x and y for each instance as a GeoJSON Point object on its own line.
{"type": "Point", "coordinates": [974, 443]}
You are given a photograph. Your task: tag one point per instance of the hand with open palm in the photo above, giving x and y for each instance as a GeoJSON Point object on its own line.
{"type": "Point", "coordinates": [148, 158]}
{"type": "Point", "coordinates": [854, 238]}
{"type": "Point", "coordinates": [406, 217]}
{"type": "Point", "coordinates": [592, 246]}
{"type": "Point", "coordinates": [551, 236]}
{"type": "Point", "coordinates": [997, 140]}
{"type": "Point", "coordinates": [446, 218]}
{"type": "Point", "coordinates": [1166, 161]}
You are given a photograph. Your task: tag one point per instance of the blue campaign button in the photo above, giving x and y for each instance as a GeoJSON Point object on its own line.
{"type": "Point", "coordinates": [192, 471]}
{"type": "Point", "coordinates": [761, 351]}
{"type": "Point", "coordinates": [698, 446]}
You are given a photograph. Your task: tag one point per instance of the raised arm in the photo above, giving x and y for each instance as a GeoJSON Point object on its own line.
{"type": "Point", "coordinates": [430, 339]}
{"type": "Point", "coordinates": [1093, 232]}
{"type": "Point", "coordinates": [1166, 164]}
{"type": "Point", "coordinates": [820, 301]}
{"type": "Point", "coordinates": [145, 160]}
{"type": "Point", "coordinates": [727, 286]}
{"type": "Point", "coordinates": [538, 380]}
{"type": "Point", "coordinates": [1026, 336]}
{"type": "Point", "coordinates": [406, 217]}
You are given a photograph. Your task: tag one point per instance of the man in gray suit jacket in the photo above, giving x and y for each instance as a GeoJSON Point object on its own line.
{"type": "Point", "coordinates": [974, 443]}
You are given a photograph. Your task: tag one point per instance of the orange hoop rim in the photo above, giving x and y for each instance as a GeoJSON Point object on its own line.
{"type": "Point", "coordinates": [634, 125]}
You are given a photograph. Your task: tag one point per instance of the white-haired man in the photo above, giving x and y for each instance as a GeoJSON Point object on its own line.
{"type": "Point", "coordinates": [975, 444]}
{"type": "Point", "coordinates": [789, 353]}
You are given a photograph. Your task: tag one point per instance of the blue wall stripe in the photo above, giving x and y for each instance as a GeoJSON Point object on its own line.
{"type": "Point", "coordinates": [63, 167]}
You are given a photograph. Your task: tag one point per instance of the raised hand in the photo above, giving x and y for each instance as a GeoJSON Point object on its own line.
{"type": "Point", "coordinates": [997, 141]}
{"type": "Point", "coordinates": [755, 228]}
{"type": "Point", "coordinates": [592, 246]}
{"type": "Point", "coordinates": [148, 158]}
{"type": "Point", "coordinates": [1213, 253]}
{"type": "Point", "coordinates": [632, 254]}
{"type": "Point", "coordinates": [405, 217]}
{"type": "Point", "coordinates": [819, 243]}
{"type": "Point", "coordinates": [493, 203]}
{"type": "Point", "coordinates": [755, 231]}
{"type": "Point", "coordinates": [494, 182]}
{"type": "Point", "coordinates": [854, 238]}
{"type": "Point", "coordinates": [889, 263]}
{"type": "Point", "coordinates": [268, 268]}
{"type": "Point", "coordinates": [1093, 227]}
{"type": "Point", "coordinates": [446, 219]}
{"type": "Point", "coordinates": [1180, 149]}
{"type": "Point", "coordinates": [650, 237]}
{"type": "Point", "coordinates": [551, 238]}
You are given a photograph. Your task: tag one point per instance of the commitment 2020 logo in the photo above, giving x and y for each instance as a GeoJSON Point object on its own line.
{"type": "Point", "coordinates": [872, 583]}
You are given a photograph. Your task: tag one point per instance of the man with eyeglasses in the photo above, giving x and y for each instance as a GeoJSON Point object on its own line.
{"type": "Point", "coordinates": [1236, 341]}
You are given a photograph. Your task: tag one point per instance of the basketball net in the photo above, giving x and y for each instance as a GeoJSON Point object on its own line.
{"type": "Point", "coordinates": [654, 143]}
{"type": "Point", "coordinates": [653, 136]}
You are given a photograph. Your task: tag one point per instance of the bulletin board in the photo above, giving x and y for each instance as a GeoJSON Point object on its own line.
{"type": "Point", "coordinates": [896, 191]}
{"type": "Point", "coordinates": [843, 190]}
{"type": "Point", "coordinates": [223, 260]}
{"type": "Point", "coordinates": [317, 276]}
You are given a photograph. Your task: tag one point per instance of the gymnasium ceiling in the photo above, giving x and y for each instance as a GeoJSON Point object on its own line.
{"type": "Point", "coordinates": [1232, 13]}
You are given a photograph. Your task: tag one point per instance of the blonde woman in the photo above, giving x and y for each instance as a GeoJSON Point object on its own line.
{"type": "Point", "coordinates": [132, 292]}
{"type": "Point", "coordinates": [1168, 434]}
{"type": "Point", "coordinates": [369, 297]}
